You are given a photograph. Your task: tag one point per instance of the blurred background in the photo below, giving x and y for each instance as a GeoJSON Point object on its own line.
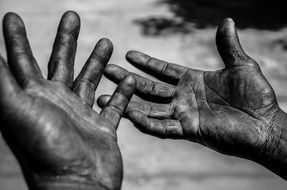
{"type": "Point", "coordinates": [180, 31]}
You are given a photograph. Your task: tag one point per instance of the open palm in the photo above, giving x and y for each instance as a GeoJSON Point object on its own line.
{"type": "Point", "coordinates": [230, 110]}
{"type": "Point", "coordinates": [59, 140]}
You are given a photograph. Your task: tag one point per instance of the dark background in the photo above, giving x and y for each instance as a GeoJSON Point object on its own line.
{"type": "Point", "coordinates": [259, 14]}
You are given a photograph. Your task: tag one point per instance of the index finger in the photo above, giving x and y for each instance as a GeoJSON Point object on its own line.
{"type": "Point", "coordinates": [160, 69]}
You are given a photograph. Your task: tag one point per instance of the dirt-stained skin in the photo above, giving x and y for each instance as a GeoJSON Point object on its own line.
{"type": "Point", "coordinates": [59, 140]}
{"type": "Point", "coordinates": [233, 111]}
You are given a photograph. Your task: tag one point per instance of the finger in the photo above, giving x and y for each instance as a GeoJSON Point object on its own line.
{"type": "Point", "coordinates": [20, 58]}
{"type": "Point", "coordinates": [228, 44]}
{"type": "Point", "coordinates": [165, 128]}
{"type": "Point", "coordinates": [90, 76]}
{"type": "Point", "coordinates": [160, 69]}
{"type": "Point", "coordinates": [117, 104]}
{"type": "Point", "coordinates": [61, 64]}
{"type": "Point", "coordinates": [9, 89]}
{"type": "Point", "coordinates": [145, 88]}
{"type": "Point", "coordinates": [149, 109]}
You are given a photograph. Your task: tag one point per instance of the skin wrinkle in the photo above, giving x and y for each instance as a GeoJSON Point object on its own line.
{"type": "Point", "coordinates": [31, 108]}
{"type": "Point", "coordinates": [273, 130]}
{"type": "Point", "coordinates": [64, 46]}
{"type": "Point", "coordinates": [18, 54]}
{"type": "Point", "coordinates": [89, 77]}
{"type": "Point", "coordinates": [211, 108]}
{"type": "Point", "coordinates": [26, 50]}
{"type": "Point", "coordinates": [217, 94]}
{"type": "Point", "coordinates": [95, 58]}
{"type": "Point", "coordinates": [199, 133]}
{"type": "Point", "coordinates": [148, 108]}
{"type": "Point", "coordinates": [65, 182]}
{"type": "Point", "coordinates": [172, 110]}
{"type": "Point", "coordinates": [59, 61]}
{"type": "Point", "coordinates": [19, 32]}
{"type": "Point", "coordinates": [196, 107]}
{"type": "Point", "coordinates": [153, 89]}
{"type": "Point", "coordinates": [183, 118]}
{"type": "Point", "coordinates": [148, 87]}
{"type": "Point", "coordinates": [37, 122]}
{"type": "Point", "coordinates": [71, 40]}
{"type": "Point", "coordinates": [59, 66]}
{"type": "Point", "coordinates": [205, 96]}
{"type": "Point", "coordinates": [89, 82]}
{"type": "Point", "coordinates": [68, 136]}
{"type": "Point", "coordinates": [164, 67]}
{"type": "Point", "coordinates": [250, 114]}
{"type": "Point", "coordinates": [165, 129]}
{"type": "Point", "coordinates": [120, 73]}
{"type": "Point", "coordinates": [155, 112]}
{"type": "Point", "coordinates": [115, 108]}
{"type": "Point", "coordinates": [184, 73]}
{"type": "Point", "coordinates": [180, 127]}
{"type": "Point", "coordinates": [70, 110]}
{"type": "Point", "coordinates": [224, 103]}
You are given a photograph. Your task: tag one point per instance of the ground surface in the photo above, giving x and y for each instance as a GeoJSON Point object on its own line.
{"type": "Point", "coordinates": [150, 163]}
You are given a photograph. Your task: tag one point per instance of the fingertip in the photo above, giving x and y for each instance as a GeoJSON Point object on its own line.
{"type": "Point", "coordinates": [103, 50]}
{"type": "Point", "coordinates": [110, 68]}
{"type": "Point", "coordinates": [70, 22]}
{"type": "Point", "coordinates": [228, 21]}
{"type": "Point", "coordinates": [12, 23]}
{"type": "Point", "coordinates": [127, 87]}
{"type": "Point", "coordinates": [136, 57]}
{"type": "Point", "coordinates": [103, 100]}
{"type": "Point", "coordinates": [71, 15]}
{"type": "Point", "coordinates": [11, 16]}
{"type": "Point", "coordinates": [131, 54]}
{"type": "Point", "coordinates": [130, 81]}
{"type": "Point", "coordinates": [107, 43]}
{"type": "Point", "coordinates": [228, 44]}
{"type": "Point", "coordinates": [226, 28]}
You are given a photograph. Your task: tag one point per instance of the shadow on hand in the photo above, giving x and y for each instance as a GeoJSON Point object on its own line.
{"type": "Point", "coordinates": [190, 14]}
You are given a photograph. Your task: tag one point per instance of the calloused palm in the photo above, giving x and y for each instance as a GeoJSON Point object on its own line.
{"type": "Point", "coordinates": [229, 110]}
{"type": "Point", "coordinates": [59, 140]}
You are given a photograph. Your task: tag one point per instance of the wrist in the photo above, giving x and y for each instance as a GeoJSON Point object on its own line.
{"type": "Point", "coordinates": [64, 182]}
{"type": "Point", "coordinates": [273, 153]}
{"type": "Point", "coordinates": [276, 136]}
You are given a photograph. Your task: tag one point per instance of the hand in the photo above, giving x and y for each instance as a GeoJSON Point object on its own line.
{"type": "Point", "coordinates": [230, 110]}
{"type": "Point", "coordinates": [59, 140]}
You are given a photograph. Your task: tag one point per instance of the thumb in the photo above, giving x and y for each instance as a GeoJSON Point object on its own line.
{"type": "Point", "coordinates": [228, 44]}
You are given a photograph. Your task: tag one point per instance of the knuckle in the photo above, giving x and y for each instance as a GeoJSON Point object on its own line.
{"type": "Point", "coordinates": [164, 67]}
{"type": "Point", "coordinates": [114, 109]}
{"type": "Point", "coordinates": [98, 61]}
{"type": "Point", "coordinates": [87, 81]}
